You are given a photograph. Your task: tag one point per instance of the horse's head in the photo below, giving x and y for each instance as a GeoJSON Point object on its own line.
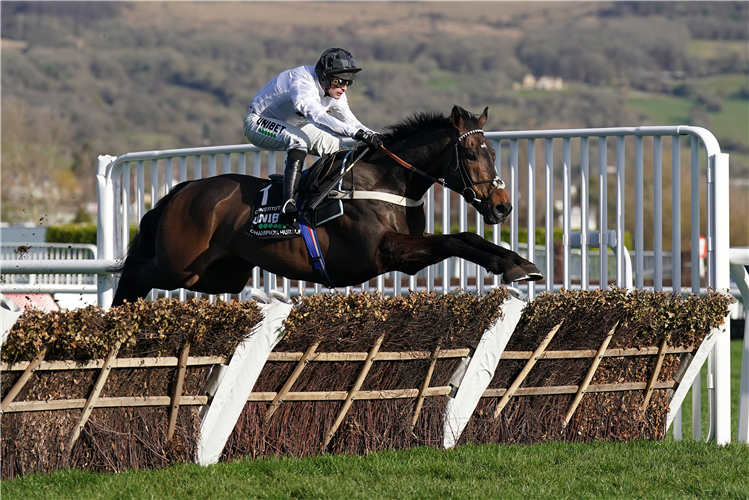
{"type": "Point", "coordinates": [474, 174]}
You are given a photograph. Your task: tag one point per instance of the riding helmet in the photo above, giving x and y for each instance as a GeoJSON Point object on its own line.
{"type": "Point", "coordinates": [335, 62]}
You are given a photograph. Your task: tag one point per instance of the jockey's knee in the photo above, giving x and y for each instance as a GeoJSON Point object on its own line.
{"type": "Point", "coordinates": [326, 146]}
{"type": "Point", "coordinates": [322, 142]}
{"type": "Point", "coordinates": [297, 143]}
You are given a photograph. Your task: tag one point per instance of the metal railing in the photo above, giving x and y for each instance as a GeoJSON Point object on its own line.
{"type": "Point", "coordinates": [609, 191]}
{"type": "Point", "coordinates": [48, 268]}
{"type": "Point", "coordinates": [714, 178]}
{"type": "Point", "coordinates": [610, 235]}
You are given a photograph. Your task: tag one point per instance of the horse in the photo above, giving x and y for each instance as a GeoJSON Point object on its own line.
{"type": "Point", "coordinates": [196, 237]}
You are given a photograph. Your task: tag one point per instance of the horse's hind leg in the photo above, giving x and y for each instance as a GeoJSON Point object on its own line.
{"type": "Point", "coordinates": [157, 277]}
{"type": "Point", "coordinates": [228, 275]}
{"type": "Point", "coordinates": [139, 278]}
{"type": "Point", "coordinates": [130, 287]}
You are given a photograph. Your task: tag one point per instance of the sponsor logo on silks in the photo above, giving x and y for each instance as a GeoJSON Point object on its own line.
{"type": "Point", "coordinates": [269, 128]}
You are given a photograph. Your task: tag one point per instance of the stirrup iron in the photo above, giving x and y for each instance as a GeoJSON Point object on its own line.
{"type": "Point", "coordinates": [289, 208]}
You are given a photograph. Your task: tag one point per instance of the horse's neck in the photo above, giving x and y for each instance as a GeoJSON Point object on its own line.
{"type": "Point", "coordinates": [430, 157]}
{"type": "Point", "coordinates": [427, 153]}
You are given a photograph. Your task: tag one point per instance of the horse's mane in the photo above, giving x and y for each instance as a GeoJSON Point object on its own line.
{"type": "Point", "coordinates": [414, 124]}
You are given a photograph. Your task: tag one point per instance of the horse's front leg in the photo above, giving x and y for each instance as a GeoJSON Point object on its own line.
{"type": "Point", "coordinates": [534, 273]}
{"type": "Point", "coordinates": [410, 254]}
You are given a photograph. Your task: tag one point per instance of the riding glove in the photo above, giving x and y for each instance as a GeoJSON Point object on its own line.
{"type": "Point", "coordinates": [370, 138]}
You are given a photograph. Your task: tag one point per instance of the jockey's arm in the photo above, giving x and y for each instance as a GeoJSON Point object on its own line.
{"type": "Point", "coordinates": [307, 101]}
{"type": "Point", "coordinates": [342, 111]}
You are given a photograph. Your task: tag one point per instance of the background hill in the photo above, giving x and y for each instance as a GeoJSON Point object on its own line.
{"type": "Point", "coordinates": [81, 79]}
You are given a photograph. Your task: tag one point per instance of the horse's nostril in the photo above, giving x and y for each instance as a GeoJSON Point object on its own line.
{"type": "Point", "coordinates": [503, 209]}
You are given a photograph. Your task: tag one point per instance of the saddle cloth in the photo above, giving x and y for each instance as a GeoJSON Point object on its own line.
{"type": "Point", "coordinates": [266, 222]}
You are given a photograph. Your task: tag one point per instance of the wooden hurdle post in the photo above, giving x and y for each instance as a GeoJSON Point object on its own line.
{"type": "Point", "coordinates": [526, 370]}
{"type": "Point", "coordinates": [177, 396]}
{"type": "Point", "coordinates": [25, 376]}
{"type": "Point", "coordinates": [589, 376]}
{"type": "Point", "coordinates": [423, 389]}
{"type": "Point", "coordinates": [278, 399]}
{"type": "Point", "coordinates": [92, 398]}
{"type": "Point", "coordinates": [352, 393]}
{"type": "Point", "coordinates": [656, 372]}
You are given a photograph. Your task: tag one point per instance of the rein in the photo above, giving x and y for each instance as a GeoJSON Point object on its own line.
{"type": "Point", "coordinates": [468, 193]}
{"type": "Point", "coordinates": [407, 165]}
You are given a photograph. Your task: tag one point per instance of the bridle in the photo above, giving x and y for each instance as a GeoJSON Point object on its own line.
{"type": "Point", "coordinates": [466, 191]}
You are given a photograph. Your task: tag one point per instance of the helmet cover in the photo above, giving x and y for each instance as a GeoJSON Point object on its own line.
{"type": "Point", "coordinates": [336, 62]}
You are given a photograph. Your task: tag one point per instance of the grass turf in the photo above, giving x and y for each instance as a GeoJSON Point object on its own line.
{"type": "Point", "coordinates": [686, 469]}
{"type": "Point", "coordinates": [641, 469]}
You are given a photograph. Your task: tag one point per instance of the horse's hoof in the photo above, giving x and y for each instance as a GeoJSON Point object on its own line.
{"type": "Point", "coordinates": [531, 269]}
{"type": "Point", "coordinates": [514, 274]}
{"type": "Point", "coordinates": [534, 273]}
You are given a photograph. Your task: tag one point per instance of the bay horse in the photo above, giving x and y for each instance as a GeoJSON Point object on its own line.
{"type": "Point", "coordinates": [196, 236]}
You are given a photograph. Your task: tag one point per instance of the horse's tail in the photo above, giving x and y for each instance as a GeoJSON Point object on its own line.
{"type": "Point", "coordinates": [143, 246]}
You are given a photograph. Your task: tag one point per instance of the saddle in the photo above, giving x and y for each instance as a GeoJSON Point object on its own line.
{"type": "Point", "coordinates": [315, 181]}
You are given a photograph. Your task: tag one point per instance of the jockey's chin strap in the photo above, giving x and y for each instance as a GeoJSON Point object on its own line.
{"type": "Point", "coordinates": [467, 192]}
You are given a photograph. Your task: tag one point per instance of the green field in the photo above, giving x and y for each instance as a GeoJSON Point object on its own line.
{"type": "Point", "coordinates": [729, 124]}
{"type": "Point", "coordinates": [554, 470]}
{"type": "Point", "coordinates": [663, 109]}
{"type": "Point", "coordinates": [706, 49]}
{"type": "Point", "coordinates": [726, 85]}
{"type": "Point", "coordinates": [732, 119]}
{"type": "Point", "coordinates": [642, 469]}
{"type": "Point", "coordinates": [732, 122]}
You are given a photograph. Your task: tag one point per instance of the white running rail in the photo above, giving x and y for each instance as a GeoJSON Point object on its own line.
{"type": "Point", "coordinates": [603, 182]}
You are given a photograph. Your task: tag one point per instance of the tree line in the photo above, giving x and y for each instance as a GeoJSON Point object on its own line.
{"type": "Point", "coordinates": [78, 81]}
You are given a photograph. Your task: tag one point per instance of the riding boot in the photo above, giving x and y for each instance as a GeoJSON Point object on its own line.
{"type": "Point", "coordinates": [291, 175]}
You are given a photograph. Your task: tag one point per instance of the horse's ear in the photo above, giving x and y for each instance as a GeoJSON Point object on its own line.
{"type": "Point", "coordinates": [482, 119]}
{"type": "Point", "coordinates": [456, 117]}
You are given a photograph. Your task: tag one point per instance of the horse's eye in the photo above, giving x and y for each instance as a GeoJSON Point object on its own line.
{"type": "Point", "coordinates": [471, 156]}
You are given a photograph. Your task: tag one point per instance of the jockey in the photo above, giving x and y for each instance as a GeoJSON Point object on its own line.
{"type": "Point", "coordinates": [303, 110]}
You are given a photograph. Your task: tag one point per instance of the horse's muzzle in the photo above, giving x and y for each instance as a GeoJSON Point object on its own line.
{"type": "Point", "coordinates": [500, 212]}
{"type": "Point", "coordinates": [493, 214]}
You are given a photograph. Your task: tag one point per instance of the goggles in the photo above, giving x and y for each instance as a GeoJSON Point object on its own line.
{"type": "Point", "coordinates": [340, 82]}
